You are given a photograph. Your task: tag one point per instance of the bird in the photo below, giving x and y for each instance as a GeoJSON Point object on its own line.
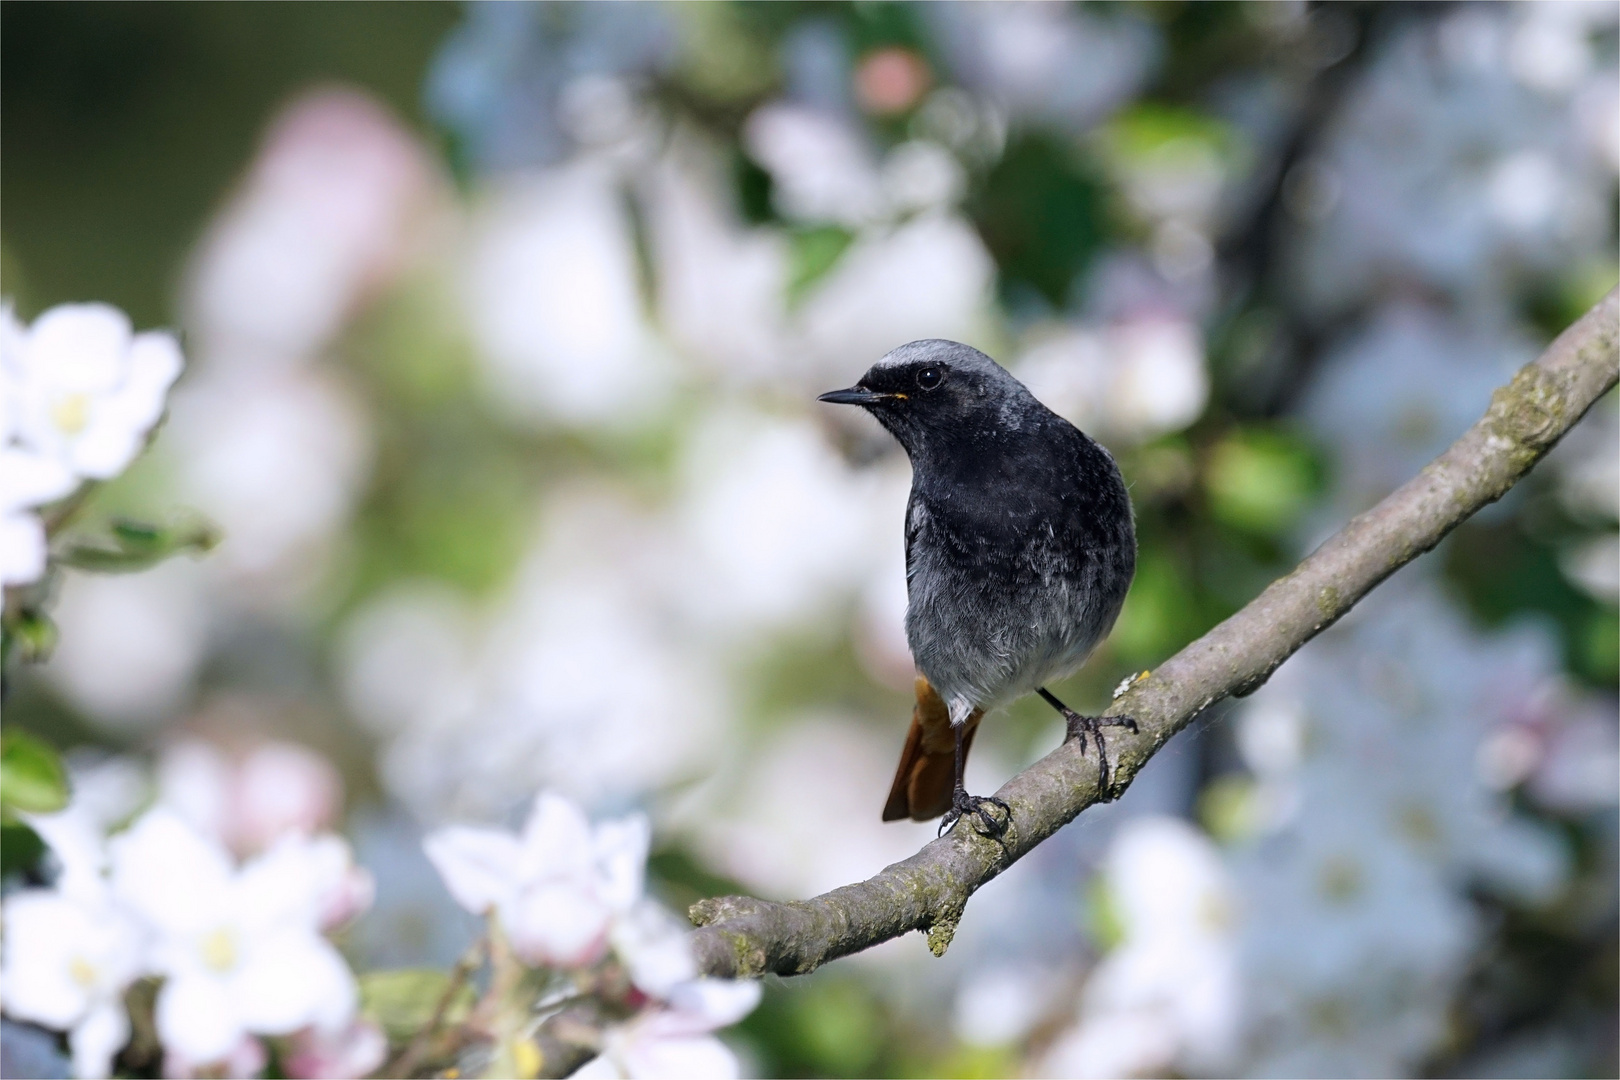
{"type": "Point", "coordinates": [1020, 545]}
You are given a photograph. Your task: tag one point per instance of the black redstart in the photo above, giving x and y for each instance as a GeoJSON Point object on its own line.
{"type": "Point", "coordinates": [1020, 547]}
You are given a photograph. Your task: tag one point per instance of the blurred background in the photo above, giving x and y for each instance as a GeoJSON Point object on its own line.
{"type": "Point", "coordinates": [504, 325]}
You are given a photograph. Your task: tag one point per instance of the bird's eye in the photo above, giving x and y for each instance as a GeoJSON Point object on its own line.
{"type": "Point", "coordinates": [930, 377]}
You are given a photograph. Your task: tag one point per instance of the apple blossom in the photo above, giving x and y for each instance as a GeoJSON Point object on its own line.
{"type": "Point", "coordinates": [240, 947]}
{"type": "Point", "coordinates": [557, 887]}
{"type": "Point", "coordinates": [87, 389]}
{"type": "Point", "coordinates": [354, 1051]}
{"type": "Point", "coordinates": [68, 958]}
{"type": "Point", "coordinates": [677, 1039]}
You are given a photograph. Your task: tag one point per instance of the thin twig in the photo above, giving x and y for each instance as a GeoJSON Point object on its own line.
{"type": "Point", "coordinates": [741, 936]}
{"type": "Point", "coordinates": [416, 1051]}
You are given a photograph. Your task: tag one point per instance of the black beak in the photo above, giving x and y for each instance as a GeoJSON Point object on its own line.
{"type": "Point", "coordinates": [856, 395]}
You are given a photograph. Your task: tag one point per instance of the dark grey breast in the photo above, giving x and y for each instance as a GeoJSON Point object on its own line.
{"type": "Point", "coordinates": [1019, 536]}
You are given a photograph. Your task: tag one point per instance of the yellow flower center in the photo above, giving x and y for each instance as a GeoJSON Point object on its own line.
{"type": "Point", "coordinates": [82, 971]}
{"type": "Point", "coordinates": [219, 950]}
{"type": "Point", "coordinates": [71, 413]}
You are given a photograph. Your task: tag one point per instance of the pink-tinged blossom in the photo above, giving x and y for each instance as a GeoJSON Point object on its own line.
{"type": "Point", "coordinates": [346, 1054]}
{"type": "Point", "coordinates": [250, 801]}
{"type": "Point", "coordinates": [556, 888]}
{"type": "Point", "coordinates": [677, 1038]}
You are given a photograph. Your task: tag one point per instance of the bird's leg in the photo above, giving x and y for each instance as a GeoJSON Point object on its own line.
{"type": "Point", "coordinates": [1081, 726]}
{"type": "Point", "coordinates": [976, 805]}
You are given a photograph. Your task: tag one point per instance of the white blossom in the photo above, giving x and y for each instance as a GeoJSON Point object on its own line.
{"type": "Point", "coordinates": [1166, 999]}
{"type": "Point", "coordinates": [240, 948]}
{"type": "Point", "coordinates": [553, 298]}
{"type": "Point", "coordinates": [555, 888]}
{"type": "Point", "coordinates": [68, 959]}
{"type": "Point", "coordinates": [87, 388]}
{"type": "Point", "coordinates": [676, 1039]}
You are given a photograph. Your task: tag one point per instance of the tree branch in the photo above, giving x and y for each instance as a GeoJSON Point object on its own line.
{"type": "Point", "coordinates": [740, 936]}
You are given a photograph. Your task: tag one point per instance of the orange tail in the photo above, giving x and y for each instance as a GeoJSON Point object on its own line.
{"type": "Point", "coordinates": [927, 774]}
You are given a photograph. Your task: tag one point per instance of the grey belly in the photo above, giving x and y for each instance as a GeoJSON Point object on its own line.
{"type": "Point", "coordinates": [985, 645]}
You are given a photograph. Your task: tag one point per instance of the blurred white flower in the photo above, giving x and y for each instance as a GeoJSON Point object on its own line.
{"type": "Point", "coordinates": [1525, 190]}
{"type": "Point", "coordinates": [68, 959]}
{"type": "Point", "coordinates": [1390, 397]}
{"type": "Point", "coordinates": [761, 835]}
{"type": "Point", "coordinates": [655, 947]}
{"type": "Point", "coordinates": [589, 681]}
{"type": "Point", "coordinates": [278, 459]}
{"type": "Point", "coordinates": [244, 1061]}
{"type": "Point", "coordinates": [250, 802]}
{"type": "Point", "coordinates": [1053, 63]}
{"type": "Point", "coordinates": [27, 479]}
{"type": "Point", "coordinates": [1129, 382]}
{"type": "Point", "coordinates": [780, 525]}
{"type": "Point", "coordinates": [677, 1040]}
{"type": "Point", "coordinates": [1453, 173]}
{"type": "Point", "coordinates": [1588, 467]}
{"type": "Point", "coordinates": [1001, 1005]}
{"type": "Point", "coordinates": [240, 948]}
{"type": "Point", "coordinates": [927, 278]}
{"type": "Point", "coordinates": [557, 887]}
{"type": "Point", "coordinates": [820, 164]}
{"type": "Point", "coordinates": [721, 288]}
{"type": "Point", "coordinates": [1594, 565]}
{"type": "Point", "coordinates": [553, 295]}
{"type": "Point", "coordinates": [408, 656]}
{"type": "Point", "coordinates": [345, 1054]}
{"type": "Point", "coordinates": [1167, 998]}
{"type": "Point", "coordinates": [105, 793]}
{"type": "Point", "coordinates": [87, 390]}
{"type": "Point", "coordinates": [336, 198]}
{"type": "Point", "coordinates": [1578, 770]}
{"type": "Point", "coordinates": [1548, 50]}
{"type": "Point", "coordinates": [1354, 902]}
{"type": "Point", "coordinates": [922, 175]}
{"type": "Point", "coordinates": [130, 644]}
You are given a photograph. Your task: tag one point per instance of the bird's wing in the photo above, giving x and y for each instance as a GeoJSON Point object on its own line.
{"type": "Point", "coordinates": [914, 512]}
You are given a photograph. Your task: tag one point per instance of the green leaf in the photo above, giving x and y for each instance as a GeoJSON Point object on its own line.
{"type": "Point", "coordinates": [1261, 481]}
{"type": "Point", "coordinates": [814, 253]}
{"type": "Point", "coordinates": [30, 636]}
{"type": "Point", "coordinates": [402, 1001]}
{"type": "Point", "coordinates": [134, 545]}
{"type": "Point", "coordinates": [20, 849]}
{"type": "Point", "coordinates": [31, 775]}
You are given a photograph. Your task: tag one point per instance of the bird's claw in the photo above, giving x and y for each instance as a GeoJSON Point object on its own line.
{"type": "Point", "coordinates": [1080, 726]}
{"type": "Point", "coordinates": [976, 806]}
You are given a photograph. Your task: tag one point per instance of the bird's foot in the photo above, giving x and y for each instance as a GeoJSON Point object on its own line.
{"type": "Point", "coordinates": [978, 808]}
{"type": "Point", "coordinates": [1081, 726]}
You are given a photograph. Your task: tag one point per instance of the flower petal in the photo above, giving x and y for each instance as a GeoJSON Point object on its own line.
{"type": "Point", "coordinates": [22, 548]}
{"type": "Point", "coordinates": [621, 856]}
{"type": "Point", "coordinates": [197, 1018]}
{"type": "Point", "coordinates": [291, 980]}
{"type": "Point", "coordinates": [556, 839]}
{"type": "Point", "coordinates": [30, 479]}
{"type": "Point", "coordinates": [479, 866]}
{"type": "Point", "coordinates": [654, 945]}
{"type": "Point", "coordinates": [652, 1058]}
{"type": "Point", "coordinates": [96, 1038]}
{"type": "Point", "coordinates": [169, 875]}
{"type": "Point", "coordinates": [715, 1002]}
{"type": "Point", "coordinates": [558, 924]}
{"type": "Point", "coordinates": [41, 931]}
{"type": "Point", "coordinates": [78, 347]}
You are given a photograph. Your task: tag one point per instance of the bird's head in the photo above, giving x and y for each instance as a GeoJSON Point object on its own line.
{"type": "Point", "coordinates": [934, 392]}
